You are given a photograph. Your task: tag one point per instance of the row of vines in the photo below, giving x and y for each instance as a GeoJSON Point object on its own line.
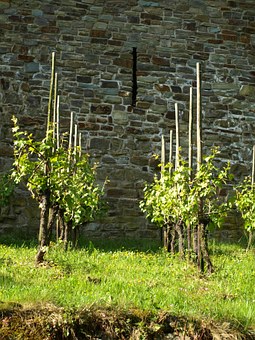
{"type": "Point", "coordinates": [185, 200]}
{"type": "Point", "coordinates": [58, 175]}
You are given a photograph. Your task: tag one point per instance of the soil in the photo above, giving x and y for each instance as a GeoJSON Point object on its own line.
{"type": "Point", "coordinates": [47, 322]}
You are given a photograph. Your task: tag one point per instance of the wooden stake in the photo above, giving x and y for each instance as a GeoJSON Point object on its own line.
{"type": "Point", "coordinates": [177, 156]}
{"type": "Point", "coordinates": [253, 166]}
{"type": "Point", "coordinates": [49, 118]}
{"type": "Point", "coordinates": [79, 144]}
{"type": "Point", "coordinates": [75, 137]}
{"type": "Point", "coordinates": [75, 143]}
{"type": "Point", "coordinates": [163, 153]}
{"type": "Point", "coordinates": [71, 131]}
{"type": "Point", "coordinates": [57, 123]}
{"type": "Point", "coordinates": [199, 119]}
{"type": "Point", "coordinates": [55, 106]}
{"type": "Point", "coordinates": [70, 139]}
{"type": "Point", "coordinates": [190, 160]}
{"type": "Point", "coordinates": [190, 130]}
{"type": "Point", "coordinates": [171, 150]}
{"type": "Point", "coordinates": [250, 232]}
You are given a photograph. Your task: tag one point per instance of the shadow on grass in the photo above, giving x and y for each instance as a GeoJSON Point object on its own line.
{"type": "Point", "coordinates": [107, 245]}
{"type": "Point", "coordinates": [227, 247]}
{"type": "Point", "coordinates": [19, 239]}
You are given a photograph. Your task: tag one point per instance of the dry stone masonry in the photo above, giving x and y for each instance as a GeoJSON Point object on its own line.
{"type": "Point", "coordinates": [122, 66]}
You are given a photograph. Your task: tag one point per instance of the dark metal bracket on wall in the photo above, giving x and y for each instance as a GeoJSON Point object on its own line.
{"type": "Point", "coordinates": [134, 76]}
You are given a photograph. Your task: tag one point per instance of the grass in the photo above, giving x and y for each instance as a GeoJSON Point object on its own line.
{"type": "Point", "coordinates": [132, 276]}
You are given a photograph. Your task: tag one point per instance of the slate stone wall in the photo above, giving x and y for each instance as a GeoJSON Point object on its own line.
{"type": "Point", "coordinates": [94, 42]}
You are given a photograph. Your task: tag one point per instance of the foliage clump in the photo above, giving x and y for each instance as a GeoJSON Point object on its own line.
{"type": "Point", "coordinates": [59, 177]}
{"type": "Point", "coordinates": [63, 185]}
{"type": "Point", "coordinates": [245, 199]}
{"type": "Point", "coordinates": [245, 204]}
{"type": "Point", "coordinates": [187, 206]}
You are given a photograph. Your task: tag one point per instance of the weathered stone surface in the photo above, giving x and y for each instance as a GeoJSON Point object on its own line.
{"type": "Point", "coordinates": [94, 44]}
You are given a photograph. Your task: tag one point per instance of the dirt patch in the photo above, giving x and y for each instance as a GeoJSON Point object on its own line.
{"type": "Point", "coordinates": [51, 323]}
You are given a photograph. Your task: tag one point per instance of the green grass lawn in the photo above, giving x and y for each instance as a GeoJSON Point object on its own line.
{"type": "Point", "coordinates": [134, 276]}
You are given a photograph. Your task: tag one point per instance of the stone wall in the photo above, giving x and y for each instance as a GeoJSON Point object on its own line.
{"type": "Point", "coordinates": [94, 42]}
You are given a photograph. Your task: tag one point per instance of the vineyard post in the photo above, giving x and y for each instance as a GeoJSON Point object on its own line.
{"type": "Point", "coordinates": [163, 153]}
{"type": "Point", "coordinates": [199, 119]}
{"type": "Point", "coordinates": [190, 159]}
{"type": "Point", "coordinates": [75, 137]}
{"type": "Point", "coordinates": [79, 145]}
{"type": "Point", "coordinates": [179, 224]}
{"type": "Point", "coordinates": [198, 232]}
{"type": "Point", "coordinates": [75, 229]}
{"type": "Point", "coordinates": [177, 158]}
{"type": "Point", "coordinates": [70, 143]}
{"type": "Point", "coordinates": [202, 253]}
{"type": "Point", "coordinates": [164, 230]}
{"type": "Point", "coordinates": [57, 123]}
{"type": "Point", "coordinates": [43, 238]}
{"type": "Point", "coordinates": [253, 166]}
{"type": "Point", "coordinates": [55, 100]}
{"type": "Point", "coordinates": [51, 95]}
{"type": "Point", "coordinates": [67, 225]}
{"type": "Point", "coordinates": [53, 119]}
{"type": "Point", "coordinates": [70, 132]}
{"type": "Point", "coordinates": [57, 147]}
{"type": "Point", "coordinates": [170, 151]}
{"type": "Point", "coordinates": [252, 188]}
{"type": "Point", "coordinates": [190, 130]}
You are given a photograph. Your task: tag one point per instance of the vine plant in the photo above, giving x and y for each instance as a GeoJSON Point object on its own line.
{"type": "Point", "coordinates": [173, 202]}
{"type": "Point", "coordinates": [60, 178]}
{"type": "Point", "coordinates": [245, 203]}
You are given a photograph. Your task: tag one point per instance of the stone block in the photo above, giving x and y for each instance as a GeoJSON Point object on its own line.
{"type": "Point", "coordinates": [100, 25]}
{"type": "Point", "coordinates": [101, 144]}
{"type": "Point", "coordinates": [32, 67]}
{"type": "Point", "coordinates": [108, 159]}
{"type": "Point", "coordinates": [162, 88]}
{"type": "Point", "coordinates": [123, 62]}
{"type": "Point", "coordinates": [102, 41]}
{"type": "Point", "coordinates": [247, 90]}
{"type": "Point", "coordinates": [84, 79]}
{"type": "Point", "coordinates": [115, 42]}
{"type": "Point", "coordinates": [113, 99]}
{"type": "Point", "coordinates": [101, 109]}
{"type": "Point", "coordinates": [139, 160]}
{"type": "Point", "coordinates": [153, 118]}
{"type": "Point", "coordinates": [34, 101]}
{"type": "Point", "coordinates": [133, 131]}
{"type": "Point", "coordinates": [160, 61]}
{"type": "Point", "coordinates": [145, 3]}
{"type": "Point", "coordinates": [143, 105]}
{"type": "Point", "coordinates": [88, 93]}
{"type": "Point", "coordinates": [99, 34]}
{"type": "Point", "coordinates": [110, 84]}
{"type": "Point", "coordinates": [120, 117]}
